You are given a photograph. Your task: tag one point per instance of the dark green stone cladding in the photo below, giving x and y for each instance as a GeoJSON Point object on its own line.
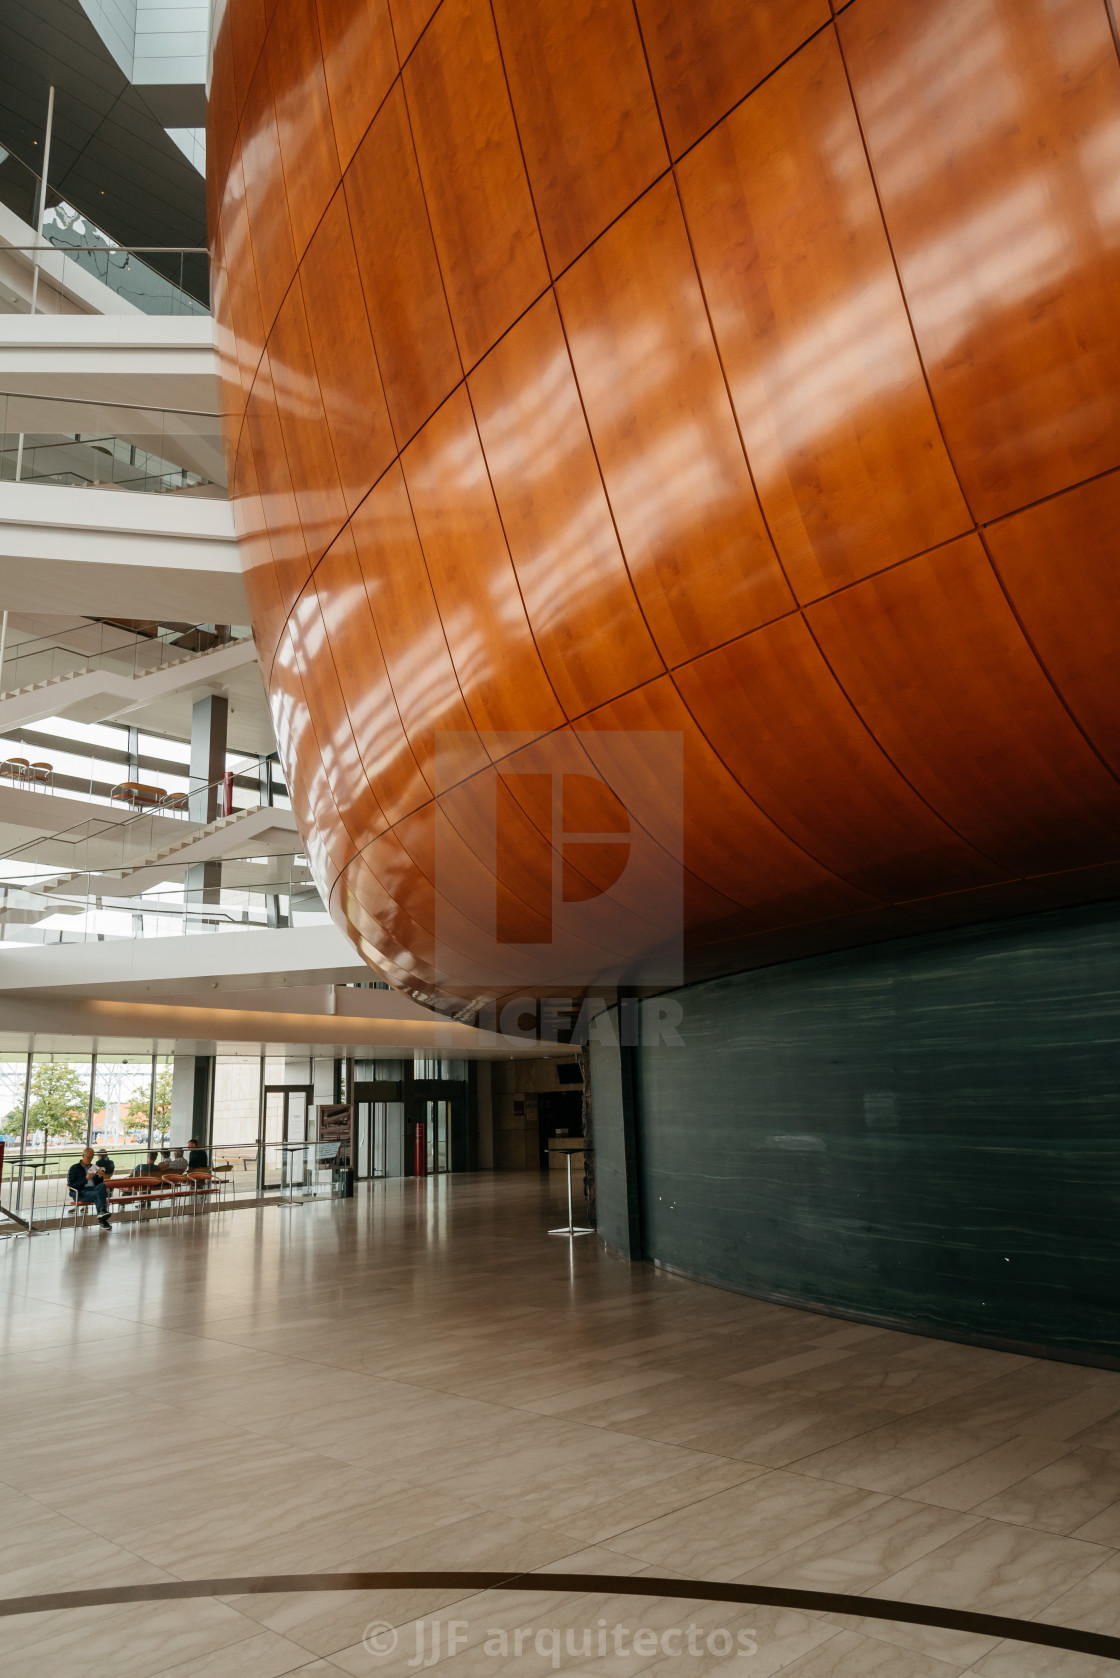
{"type": "Point", "coordinates": [927, 1131]}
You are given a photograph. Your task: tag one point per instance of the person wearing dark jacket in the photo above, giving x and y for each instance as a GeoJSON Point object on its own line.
{"type": "Point", "coordinates": [197, 1158]}
{"type": "Point", "coordinates": [86, 1185]}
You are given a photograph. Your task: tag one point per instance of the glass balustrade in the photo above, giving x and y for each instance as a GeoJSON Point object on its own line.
{"type": "Point", "coordinates": [115, 875]}
{"type": "Point", "coordinates": [126, 651]}
{"type": "Point", "coordinates": [155, 279]}
{"type": "Point", "coordinates": [96, 460]}
{"type": "Point", "coordinates": [124, 446]}
{"type": "Point", "coordinates": [40, 904]}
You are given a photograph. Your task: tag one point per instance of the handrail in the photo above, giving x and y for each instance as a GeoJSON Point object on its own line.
{"type": "Point", "coordinates": [85, 255]}
{"type": "Point", "coordinates": [169, 905]}
{"type": "Point", "coordinates": [110, 245]}
{"type": "Point", "coordinates": [45, 645]}
{"type": "Point", "coordinates": [114, 828]}
{"type": "Point", "coordinates": [267, 888]}
{"type": "Point", "coordinates": [182, 908]}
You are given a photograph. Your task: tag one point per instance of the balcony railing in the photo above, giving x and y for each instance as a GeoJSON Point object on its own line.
{"type": "Point", "coordinates": [106, 646]}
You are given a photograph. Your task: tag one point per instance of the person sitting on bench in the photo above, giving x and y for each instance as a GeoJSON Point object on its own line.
{"type": "Point", "coordinates": [197, 1158]}
{"type": "Point", "coordinates": [148, 1167]}
{"type": "Point", "coordinates": [87, 1186]}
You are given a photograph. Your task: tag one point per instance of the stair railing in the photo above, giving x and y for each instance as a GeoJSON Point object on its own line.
{"type": "Point", "coordinates": [284, 895]}
{"type": "Point", "coordinates": [104, 843]}
{"type": "Point", "coordinates": [47, 659]}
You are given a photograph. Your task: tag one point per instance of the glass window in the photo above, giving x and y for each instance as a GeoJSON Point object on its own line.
{"type": "Point", "coordinates": [447, 1071]}
{"type": "Point", "coordinates": [111, 735]}
{"type": "Point", "coordinates": [172, 751]}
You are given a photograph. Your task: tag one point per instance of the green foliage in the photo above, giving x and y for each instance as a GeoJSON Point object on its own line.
{"type": "Point", "coordinates": [59, 1102]}
{"type": "Point", "coordinates": [161, 1116]}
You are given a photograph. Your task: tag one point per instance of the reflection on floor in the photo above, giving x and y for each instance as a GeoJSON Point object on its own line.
{"type": "Point", "coordinates": [421, 1378]}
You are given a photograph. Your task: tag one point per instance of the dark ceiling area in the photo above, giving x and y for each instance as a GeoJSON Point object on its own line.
{"type": "Point", "coordinates": [109, 156]}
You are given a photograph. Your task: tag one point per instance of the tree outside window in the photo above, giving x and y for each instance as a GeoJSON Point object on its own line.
{"type": "Point", "coordinates": [161, 1115]}
{"type": "Point", "coordinates": [59, 1105]}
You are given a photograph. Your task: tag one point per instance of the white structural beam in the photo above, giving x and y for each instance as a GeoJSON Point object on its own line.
{"type": "Point", "coordinates": [106, 553]}
{"type": "Point", "coordinates": [302, 955]}
{"type": "Point", "coordinates": [62, 1024]}
{"type": "Point", "coordinates": [155, 361]}
{"type": "Point", "coordinates": [288, 987]}
{"type": "Point", "coordinates": [152, 381]}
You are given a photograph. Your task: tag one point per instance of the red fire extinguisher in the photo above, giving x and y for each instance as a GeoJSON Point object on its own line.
{"type": "Point", "coordinates": [421, 1150]}
{"type": "Point", "coordinates": [227, 793]}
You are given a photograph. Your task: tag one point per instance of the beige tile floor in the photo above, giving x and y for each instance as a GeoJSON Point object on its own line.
{"type": "Point", "coordinates": [421, 1378]}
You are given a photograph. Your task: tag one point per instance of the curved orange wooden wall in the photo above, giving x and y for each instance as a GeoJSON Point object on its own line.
{"type": "Point", "coordinates": [721, 366]}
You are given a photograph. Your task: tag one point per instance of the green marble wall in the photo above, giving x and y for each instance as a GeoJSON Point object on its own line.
{"type": "Point", "coordinates": [927, 1130]}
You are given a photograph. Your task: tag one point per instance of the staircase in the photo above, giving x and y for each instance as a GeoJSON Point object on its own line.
{"type": "Point", "coordinates": [220, 825]}
{"type": "Point", "coordinates": [212, 841]}
{"type": "Point", "coordinates": [73, 675]}
{"type": "Point", "coordinates": [89, 695]}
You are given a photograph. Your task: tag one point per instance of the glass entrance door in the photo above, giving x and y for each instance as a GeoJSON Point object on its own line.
{"type": "Point", "coordinates": [438, 1119]}
{"type": "Point", "coordinates": [370, 1123]}
{"type": "Point", "coordinates": [287, 1114]}
{"type": "Point", "coordinates": [379, 1129]}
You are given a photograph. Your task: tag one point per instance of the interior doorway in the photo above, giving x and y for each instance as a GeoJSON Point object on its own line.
{"type": "Point", "coordinates": [287, 1121]}
{"type": "Point", "coordinates": [378, 1128]}
{"type": "Point", "coordinates": [380, 1134]}
{"type": "Point", "coordinates": [437, 1119]}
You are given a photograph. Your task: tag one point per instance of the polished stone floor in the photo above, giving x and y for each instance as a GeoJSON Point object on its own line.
{"type": "Point", "coordinates": [421, 1378]}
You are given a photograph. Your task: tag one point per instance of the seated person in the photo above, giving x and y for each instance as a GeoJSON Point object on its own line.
{"type": "Point", "coordinates": [148, 1167]}
{"type": "Point", "coordinates": [85, 1185]}
{"type": "Point", "coordinates": [104, 1164]}
{"type": "Point", "coordinates": [178, 1162]}
{"type": "Point", "coordinates": [197, 1158]}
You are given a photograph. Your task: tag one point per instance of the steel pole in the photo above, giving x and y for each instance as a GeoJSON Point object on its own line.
{"type": "Point", "coordinates": [92, 1083]}
{"type": "Point", "coordinates": [23, 1133]}
{"type": "Point", "coordinates": [42, 210]}
{"type": "Point", "coordinates": [260, 1135]}
{"type": "Point", "coordinates": [152, 1104]}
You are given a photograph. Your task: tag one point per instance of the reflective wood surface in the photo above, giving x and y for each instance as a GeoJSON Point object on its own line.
{"type": "Point", "coordinates": [735, 373]}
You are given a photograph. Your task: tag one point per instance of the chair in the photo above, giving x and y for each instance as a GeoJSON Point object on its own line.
{"type": "Point", "coordinates": [193, 1186]}
{"type": "Point", "coordinates": [40, 774]}
{"type": "Point", "coordinates": [15, 769]}
{"type": "Point", "coordinates": [74, 1206]}
{"type": "Point", "coordinates": [179, 1187]}
{"type": "Point", "coordinates": [175, 801]}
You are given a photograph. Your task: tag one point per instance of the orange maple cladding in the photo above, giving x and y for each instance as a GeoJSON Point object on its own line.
{"type": "Point", "coordinates": [741, 379]}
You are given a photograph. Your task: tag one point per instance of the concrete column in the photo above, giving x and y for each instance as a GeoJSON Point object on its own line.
{"type": "Point", "coordinates": [209, 720]}
{"type": "Point", "coordinates": [182, 1100]}
{"type": "Point", "coordinates": [209, 724]}
{"type": "Point", "coordinates": [205, 1068]}
{"type": "Point", "coordinates": [190, 1099]}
